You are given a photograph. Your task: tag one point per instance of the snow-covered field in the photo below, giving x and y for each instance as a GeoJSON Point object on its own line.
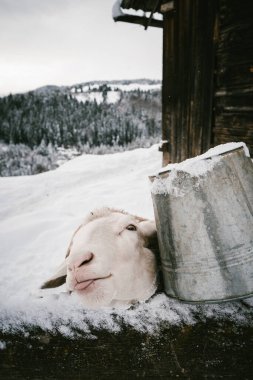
{"type": "Point", "coordinates": [111, 97]}
{"type": "Point", "coordinates": [91, 93]}
{"type": "Point", "coordinates": [38, 215]}
{"type": "Point", "coordinates": [120, 86]}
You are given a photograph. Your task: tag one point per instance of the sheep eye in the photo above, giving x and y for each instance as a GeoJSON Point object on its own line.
{"type": "Point", "coordinates": [131, 227]}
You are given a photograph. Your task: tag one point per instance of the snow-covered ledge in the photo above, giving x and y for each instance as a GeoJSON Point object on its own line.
{"type": "Point", "coordinates": [136, 16]}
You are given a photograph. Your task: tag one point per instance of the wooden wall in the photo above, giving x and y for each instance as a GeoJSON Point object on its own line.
{"type": "Point", "coordinates": [207, 76]}
{"type": "Point", "coordinates": [188, 66]}
{"type": "Point", "coordinates": [233, 119]}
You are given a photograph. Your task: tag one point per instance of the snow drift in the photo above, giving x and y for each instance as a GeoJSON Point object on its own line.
{"type": "Point", "coordinates": [37, 217]}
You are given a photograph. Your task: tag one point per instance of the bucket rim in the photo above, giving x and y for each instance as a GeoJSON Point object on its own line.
{"type": "Point", "coordinates": [212, 301]}
{"type": "Point", "coordinates": [164, 173]}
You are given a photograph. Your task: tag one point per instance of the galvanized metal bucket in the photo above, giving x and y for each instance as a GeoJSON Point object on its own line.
{"type": "Point", "coordinates": [205, 230]}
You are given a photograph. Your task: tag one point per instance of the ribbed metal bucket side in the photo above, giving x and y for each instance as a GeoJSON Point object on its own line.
{"type": "Point", "coordinates": [206, 234]}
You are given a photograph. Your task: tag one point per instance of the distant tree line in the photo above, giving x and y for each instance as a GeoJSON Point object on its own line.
{"type": "Point", "coordinates": [58, 119]}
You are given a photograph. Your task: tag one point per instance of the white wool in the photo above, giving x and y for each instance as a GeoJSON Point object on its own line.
{"type": "Point", "coordinates": [106, 263]}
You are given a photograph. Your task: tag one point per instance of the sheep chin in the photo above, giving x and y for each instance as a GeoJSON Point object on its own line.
{"type": "Point", "coordinates": [81, 286]}
{"type": "Point", "coordinates": [96, 295]}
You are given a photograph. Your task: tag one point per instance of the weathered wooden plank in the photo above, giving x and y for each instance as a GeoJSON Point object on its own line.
{"type": "Point", "coordinates": [233, 117]}
{"type": "Point", "coordinates": [239, 101]}
{"type": "Point", "coordinates": [169, 131]}
{"type": "Point", "coordinates": [196, 94]}
{"type": "Point", "coordinates": [229, 127]}
{"type": "Point", "coordinates": [234, 133]}
{"type": "Point", "coordinates": [188, 64]}
{"type": "Point", "coordinates": [234, 77]}
{"type": "Point", "coordinates": [212, 349]}
{"type": "Point", "coordinates": [226, 138]}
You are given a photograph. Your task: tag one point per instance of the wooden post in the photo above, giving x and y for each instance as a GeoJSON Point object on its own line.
{"type": "Point", "coordinates": [234, 74]}
{"type": "Point", "coordinates": [188, 72]}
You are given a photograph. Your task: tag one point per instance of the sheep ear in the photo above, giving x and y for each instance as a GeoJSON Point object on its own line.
{"type": "Point", "coordinates": [148, 228]}
{"type": "Point", "coordinates": [58, 279]}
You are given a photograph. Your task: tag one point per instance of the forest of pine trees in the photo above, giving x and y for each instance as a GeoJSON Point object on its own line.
{"type": "Point", "coordinates": [58, 119]}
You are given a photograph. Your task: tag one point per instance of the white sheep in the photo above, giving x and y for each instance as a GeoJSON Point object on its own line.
{"type": "Point", "coordinates": [110, 260]}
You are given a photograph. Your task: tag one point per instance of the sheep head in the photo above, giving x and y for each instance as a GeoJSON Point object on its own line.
{"type": "Point", "coordinates": [111, 260]}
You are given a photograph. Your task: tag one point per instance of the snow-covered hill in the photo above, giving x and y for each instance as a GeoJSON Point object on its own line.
{"type": "Point", "coordinates": [102, 91]}
{"type": "Point", "coordinates": [37, 217]}
{"type": "Point", "coordinates": [93, 117]}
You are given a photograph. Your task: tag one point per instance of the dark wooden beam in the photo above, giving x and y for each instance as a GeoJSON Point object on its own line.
{"type": "Point", "coordinates": [188, 75]}
{"type": "Point", "coordinates": [234, 74]}
{"type": "Point", "coordinates": [215, 349]}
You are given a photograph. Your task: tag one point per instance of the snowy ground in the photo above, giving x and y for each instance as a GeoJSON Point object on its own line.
{"type": "Point", "coordinates": [37, 217]}
{"type": "Point", "coordinates": [121, 86]}
{"type": "Point", "coordinates": [90, 93]}
{"type": "Point", "coordinates": [111, 97]}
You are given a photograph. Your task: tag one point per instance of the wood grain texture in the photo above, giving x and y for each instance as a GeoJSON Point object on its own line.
{"type": "Point", "coordinates": [207, 76]}
{"type": "Point", "coordinates": [233, 119]}
{"type": "Point", "coordinates": [212, 349]}
{"type": "Point", "coordinates": [188, 65]}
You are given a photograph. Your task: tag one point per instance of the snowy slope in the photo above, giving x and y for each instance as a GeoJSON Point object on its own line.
{"type": "Point", "coordinates": [91, 92]}
{"type": "Point", "coordinates": [111, 97]}
{"type": "Point", "coordinates": [117, 85]}
{"type": "Point", "coordinates": [37, 217]}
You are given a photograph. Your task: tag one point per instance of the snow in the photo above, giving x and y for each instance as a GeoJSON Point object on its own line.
{"type": "Point", "coordinates": [117, 11]}
{"type": "Point", "coordinates": [2, 345]}
{"type": "Point", "coordinates": [140, 13]}
{"type": "Point", "coordinates": [195, 167]}
{"type": "Point", "coordinates": [111, 97]}
{"type": "Point", "coordinates": [66, 154]}
{"type": "Point", "coordinates": [191, 165]}
{"type": "Point", "coordinates": [136, 86]}
{"type": "Point", "coordinates": [91, 92]}
{"type": "Point", "coordinates": [89, 96]}
{"type": "Point", "coordinates": [38, 215]}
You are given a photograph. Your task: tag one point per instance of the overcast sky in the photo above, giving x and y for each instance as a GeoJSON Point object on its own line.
{"type": "Point", "coordinates": [70, 41]}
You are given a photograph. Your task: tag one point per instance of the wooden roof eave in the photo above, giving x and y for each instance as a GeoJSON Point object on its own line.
{"type": "Point", "coordinates": [119, 15]}
{"type": "Point", "coordinates": [144, 21]}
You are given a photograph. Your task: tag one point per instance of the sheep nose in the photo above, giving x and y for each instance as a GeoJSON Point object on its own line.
{"type": "Point", "coordinates": [81, 261]}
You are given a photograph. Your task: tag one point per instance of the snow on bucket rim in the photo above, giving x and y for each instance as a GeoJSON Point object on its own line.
{"type": "Point", "coordinates": [164, 181]}
{"type": "Point", "coordinates": [187, 165]}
